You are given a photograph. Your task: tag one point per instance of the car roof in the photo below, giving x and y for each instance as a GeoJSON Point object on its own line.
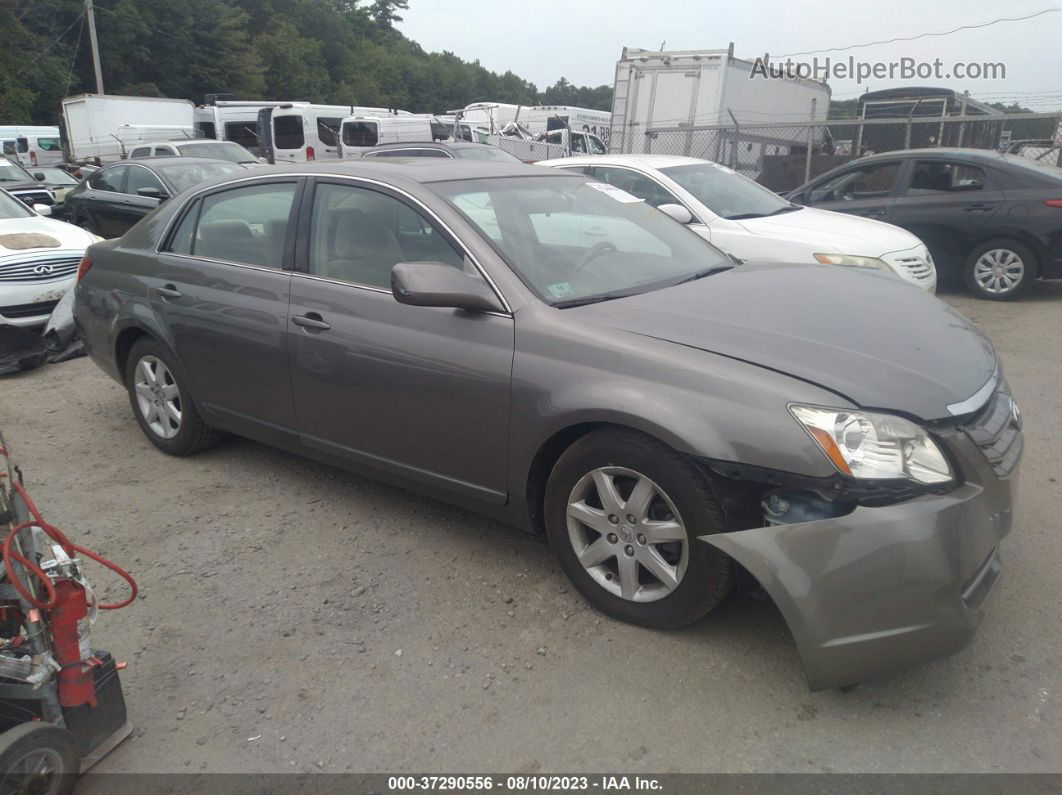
{"type": "Point", "coordinates": [422, 170]}
{"type": "Point", "coordinates": [955, 153]}
{"type": "Point", "coordinates": [444, 145]}
{"type": "Point", "coordinates": [635, 160]}
{"type": "Point", "coordinates": [186, 141]}
{"type": "Point", "coordinates": [168, 160]}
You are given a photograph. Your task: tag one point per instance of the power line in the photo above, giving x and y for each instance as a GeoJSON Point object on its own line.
{"type": "Point", "coordinates": [42, 53]}
{"type": "Point", "coordinates": [77, 49]}
{"type": "Point", "coordinates": [924, 35]}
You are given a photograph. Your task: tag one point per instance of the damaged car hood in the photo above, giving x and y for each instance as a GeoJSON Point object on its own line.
{"type": "Point", "coordinates": [866, 335]}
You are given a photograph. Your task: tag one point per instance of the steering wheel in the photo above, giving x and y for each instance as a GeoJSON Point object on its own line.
{"type": "Point", "coordinates": [595, 251]}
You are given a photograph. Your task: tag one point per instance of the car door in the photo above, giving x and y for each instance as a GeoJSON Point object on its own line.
{"type": "Point", "coordinates": [867, 190]}
{"type": "Point", "coordinates": [221, 290]}
{"type": "Point", "coordinates": [101, 203]}
{"type": "Point", "coordinates": [419, 392]}
{"type": "Point", "coordinates": [949, 204]}
{"type": "Point", "coordinates": [132, 206]}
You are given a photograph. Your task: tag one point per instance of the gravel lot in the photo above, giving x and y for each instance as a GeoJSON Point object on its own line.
{"type": "Point", "coordinates": [296, 617]}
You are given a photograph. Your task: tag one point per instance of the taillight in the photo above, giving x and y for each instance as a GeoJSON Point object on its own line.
{"type": "Point", "coordinates": [33, 158]}
{"type": "Point", "coordinates": [310, 154]}
{"type": "Point", "coordinates": [1053, 202]}
{"type": "Point", "coordinates": [83, 267]}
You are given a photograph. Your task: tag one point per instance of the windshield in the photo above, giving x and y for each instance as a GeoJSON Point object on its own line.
{"type": "Point", "coordinates": [573, 241]}
{"type": "Point", "coordinates": [220, 150]}
{"type": "Point", "coordinates": [485, 152]}
{"type": "Point", "coordinates": [10, 207]}
{"type": "Point", "coordinates": [726, 193]}
{"type": "Point", "coordinates": [183, 176]}
{"type": "Point", "coordinates": [56, 176]}
{"type": "Point", "coordinates": [13, 172]}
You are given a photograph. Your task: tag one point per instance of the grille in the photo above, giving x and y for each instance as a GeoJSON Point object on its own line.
{"type": "Point", "coordinates": [998, 433]}
{"type": "Point", "coordinates": [32, 197]}
{"type": "Point", "coordinates": [39, 270]}
{"type": "Point", "coordinates": [28, 310]}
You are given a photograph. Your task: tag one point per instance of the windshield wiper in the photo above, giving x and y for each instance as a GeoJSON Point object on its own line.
{"type": "Point", "coordinates": [591, 299]}
{"type": "Point", "coordinates": [745, 216]}
{"type": "Point", "coordinates": [706, 272]}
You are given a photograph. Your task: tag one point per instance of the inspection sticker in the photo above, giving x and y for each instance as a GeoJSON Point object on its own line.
{"type": "Point", "coordinates": [560, 289]}
{"type": "Point", "coordinates": [618, 194]}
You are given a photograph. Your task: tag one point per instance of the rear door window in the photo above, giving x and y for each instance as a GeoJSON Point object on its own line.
{"type": "Point", "coordinates": [247, 225]}
{"type": "Point", "coordinates": [939, 176]}
{"type": "Point", "coordinates": [287, 132]}
{"type": "Point", "coordinates": [360, 133]}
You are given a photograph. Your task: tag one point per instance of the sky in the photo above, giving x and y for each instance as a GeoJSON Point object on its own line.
{"type": "Point", "coordinates": [542, 40]}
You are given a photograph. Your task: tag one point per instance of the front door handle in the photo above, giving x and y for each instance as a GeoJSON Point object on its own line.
{"type": "Point", "coordinates": [875, 213]}
{"type": "Point", "coordinates": [978, 208]}
{"type": "Point", "coordinates": [311, 320]}
{"type": "Point", "coordinates": [168, 292]}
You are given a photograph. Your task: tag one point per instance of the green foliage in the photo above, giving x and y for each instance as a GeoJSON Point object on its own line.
{"type": "Point", "coordinates": [331, 51]}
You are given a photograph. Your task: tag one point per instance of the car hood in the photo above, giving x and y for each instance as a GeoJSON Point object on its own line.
{"type": "Point", "coordinates": [867, 335]}
{"type": "Point", "coordinates": [850, 234]}
{"type": "Point", "coordinates": [39, 234]}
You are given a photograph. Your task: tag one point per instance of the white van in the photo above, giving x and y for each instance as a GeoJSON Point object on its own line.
{"type": "Point", "coordinates": [31, 146]}
{"type": "Point", "coordinates": [231, 120]}
{"type": "Point", "coordinates": [295, 132]}
{"type": "Point", "coordinates": [359, 133]}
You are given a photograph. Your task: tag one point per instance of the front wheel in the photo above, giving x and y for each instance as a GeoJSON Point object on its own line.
{"type": "Point", "coordinates": [623, 512]}
{"type": "Point", "coordinates": [38, 757]}
{"type": "Point", "coordinates": [1000, 270]}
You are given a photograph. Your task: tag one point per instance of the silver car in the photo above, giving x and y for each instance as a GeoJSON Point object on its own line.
{"type": "Point", "coordinates": [553, 352]}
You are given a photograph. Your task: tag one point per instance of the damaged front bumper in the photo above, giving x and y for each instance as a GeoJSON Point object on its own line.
{"type": "Point", "coordinates": [883, 588]}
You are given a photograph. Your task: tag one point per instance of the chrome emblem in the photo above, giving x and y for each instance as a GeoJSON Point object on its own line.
{"type": "Point", "coordinates": [43, 269]}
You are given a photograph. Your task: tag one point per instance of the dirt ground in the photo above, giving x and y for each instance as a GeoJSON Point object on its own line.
{"type": "Point", "coordinates": [295, 617]}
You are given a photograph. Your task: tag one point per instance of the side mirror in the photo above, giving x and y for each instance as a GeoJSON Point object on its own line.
{"type": "Point", "coordinates": [42, 209]}
{"type": "Point", "coordinates": [677, 212]}
{"type": "Point", "coordinates": [152, 193]}
{"type": "Point", "coordinates": [39, 176]}
{"type": "Point", "coordinates": [436, 284]}
{"type": "Point", "coordinates": [263, 160]}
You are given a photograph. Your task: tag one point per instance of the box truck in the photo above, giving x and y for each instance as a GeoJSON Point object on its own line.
{"type": "Point", "coordinates": [101, 128]}
{"type": "Point", "coordinates": [661, 100]}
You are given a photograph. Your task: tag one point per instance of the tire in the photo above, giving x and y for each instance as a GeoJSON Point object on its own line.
{"type": "Point", "coordinates": [991, 268]}
{"type": "Point", "coordinates": [698, 575]}
{"type": "Point", "coordinates": [165, 409]}
{"type": "Point", "coordinates": [40, 758]}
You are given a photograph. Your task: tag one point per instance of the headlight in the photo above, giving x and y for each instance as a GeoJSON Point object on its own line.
{"type": "Point", "coordinates": [853, 261]}
{"type": "Point", "coordinates": [867, 446]}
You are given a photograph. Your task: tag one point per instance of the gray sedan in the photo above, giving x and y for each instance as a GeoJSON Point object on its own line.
{"type": "Point", "coordinates": [551, 351]}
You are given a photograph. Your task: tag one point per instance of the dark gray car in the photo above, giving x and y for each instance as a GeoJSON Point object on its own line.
{"type": "Point", "coordinates": [553, 352]}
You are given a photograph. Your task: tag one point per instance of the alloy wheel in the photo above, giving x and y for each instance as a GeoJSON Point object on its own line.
{"type": "Point", "coordinates": [627, 534]}
{"type": "Point", "coordinates": [157, 397]}
{"type": "Point", "coordinates": [999, 271]}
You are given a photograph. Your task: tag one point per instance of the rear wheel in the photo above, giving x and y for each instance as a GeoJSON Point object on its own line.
{"type": "Point", "coordinates": [1000, 270]}
{"type": "Point", "coordinates": [163, 406]}
{"type": "Point", "coordinates": [623, 512]}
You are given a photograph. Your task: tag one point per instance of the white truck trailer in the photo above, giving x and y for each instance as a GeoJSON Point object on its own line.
{"type": "Point", "coordinates": [663, 101]}
{"type": "Point", "coordinates": [103, 128]}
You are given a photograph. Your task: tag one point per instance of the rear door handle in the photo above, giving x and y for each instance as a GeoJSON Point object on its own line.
{"type": "Point", "coordinates": [978, 208]}
{"type": "Point", "coordinates": [168, 292]}
{"type": "Point", "coordinates": [311, 320]}
{"type": "Point", "coordinates": [874, 213]}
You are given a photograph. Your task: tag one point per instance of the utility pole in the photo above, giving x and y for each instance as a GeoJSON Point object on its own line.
{"type": "Point", "coordinates": [95, 46]}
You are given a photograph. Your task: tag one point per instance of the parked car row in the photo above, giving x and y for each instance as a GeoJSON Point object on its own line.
{"type": "Point", "coordinates": [545, 347]}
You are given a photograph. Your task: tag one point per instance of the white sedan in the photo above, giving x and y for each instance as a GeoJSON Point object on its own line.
{"type": "Point", "coordinates": [751, 222]}
{"type": "Point", "coordinates": [38, 261]}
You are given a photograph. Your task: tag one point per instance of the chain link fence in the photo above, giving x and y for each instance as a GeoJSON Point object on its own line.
{"type": "Point", "coordinates": [784, 155]}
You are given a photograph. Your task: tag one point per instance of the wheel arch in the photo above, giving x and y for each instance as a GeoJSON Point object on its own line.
{"type": "Point", "coordinates": [550, 451]}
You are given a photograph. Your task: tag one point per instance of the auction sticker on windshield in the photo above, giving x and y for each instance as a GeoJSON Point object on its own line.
{"type": "Point", "coordinates": [618, 194]}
